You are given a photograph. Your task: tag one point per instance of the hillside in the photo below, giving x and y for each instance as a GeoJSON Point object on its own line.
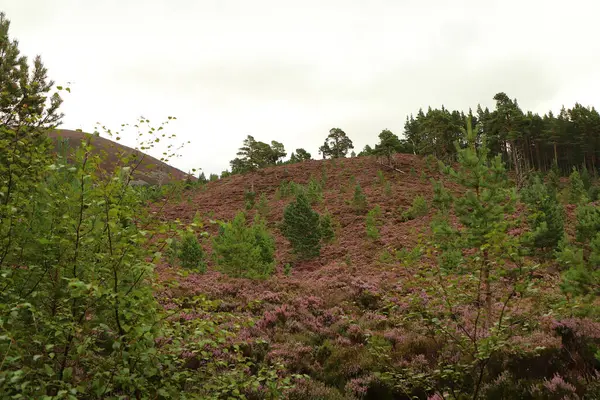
{"type": "Point", "coordinates": [344, 319]}
{"type": "Point", "coordinates": [222, 199]}
{"type": "Point", "coordinates": [150, 171]}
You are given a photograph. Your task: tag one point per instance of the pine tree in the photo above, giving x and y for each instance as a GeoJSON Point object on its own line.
{"type": "Point", "coordinates": [482, 208]}
{"type": "Point", "coordinates": [577, 192]}
{"type": "Point", "coordinates": [25, 103]}
{"type": "Point", "coordinates": [202, 178]}
{"type": "Point", "coordinates": [243, 250]}
{"type": "Point", "coordinates": [373, 222]}
{"type": "Point", "coordinates": [545, 215]}
{"type": "Point", "coordinates": [359, 200]}
{"type": "Point", "coordinates": [301, 226]}
{"type": "Point", "coordinates": [336, 145]}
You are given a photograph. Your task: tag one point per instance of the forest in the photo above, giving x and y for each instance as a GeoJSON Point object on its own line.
{"type": "Point", "coordinates": [458, 261]}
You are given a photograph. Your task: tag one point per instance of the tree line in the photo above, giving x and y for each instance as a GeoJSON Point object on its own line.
{"type": "Point", "coordinates": [525, 140]}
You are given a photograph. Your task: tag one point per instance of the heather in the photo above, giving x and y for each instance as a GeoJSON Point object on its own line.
{"type": "Point", "coordinates": [453, 273]}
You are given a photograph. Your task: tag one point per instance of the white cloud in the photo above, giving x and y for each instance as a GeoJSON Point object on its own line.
{"type": "Point", "coordinates": [290, 71]}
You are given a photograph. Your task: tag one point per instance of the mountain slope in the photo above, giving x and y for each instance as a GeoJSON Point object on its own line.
{"type": "Point", "coordinates": [151, 170]}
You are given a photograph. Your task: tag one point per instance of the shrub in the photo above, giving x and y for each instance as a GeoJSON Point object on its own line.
{"type": "Point", "coordinates": [577, 192]}
{"type": "Point", "coordinates": [545, 215]}
{"type": "Point", "coordinates": [418, 209]}
{"type": "Point", "coordinates": [301, 226]}
{"type": "Point", "coordinates": [327, 227]}
{"type": "Point", "coordinates": [359, 201]}
{"type": "Point", "coordinates": [387, 189]}
{"type": "Point", "coordinates": [262, 207]}
{"type": "Point", "coordinates": [314, 191]}
{"type": "Point", "coordinates": [380, 177]}
{"type": "Point", "coordinates": [213, 177]}
{"type": "Point", "coordinates": [249, 199]}
{"type": "Point", "coordinates": [243, 250]}
{"type": "Point", "coordinates": [373, 222]}
{"type": "Point", "coordinates": [189, 252]}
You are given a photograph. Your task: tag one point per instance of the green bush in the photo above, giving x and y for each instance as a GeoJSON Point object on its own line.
{"type": "Point", "coordinates": [189, 252]}
{"type": "Point", "coordinates": [359, 200]}
{"type": "Point", "coordinates": [249, 199]}
{"type": "Point", "coordinates": [314, 191]}
{"type": "Point", "coordinates": [244, 250]}
{"type": "Point", "coordinates": [577, 192]}
{"type": "Point", "coordinates": [545, 215]}
{"type": "Point", "coordinates": [373, 222]}
{"type": "Point", "coordinates": [327, 227]}
{"type": "Point", "coordinates": [262, 207]}
{"type": "Point", "coordinates": [418, 209]}
{"type": "Point", "coordinates": [301, 226]}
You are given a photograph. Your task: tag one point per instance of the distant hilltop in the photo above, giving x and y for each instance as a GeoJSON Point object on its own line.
{"type": "Point", "coordinates": [150, 172]}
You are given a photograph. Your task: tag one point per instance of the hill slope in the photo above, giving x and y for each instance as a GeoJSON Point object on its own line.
{"type": "Point", "coordinates": [356, 314]}
{"type": "Point", "coordinates": [151, 170]}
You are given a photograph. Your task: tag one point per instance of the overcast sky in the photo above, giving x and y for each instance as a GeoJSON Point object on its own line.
{"type": "Point", "coordinates": [291, 70]}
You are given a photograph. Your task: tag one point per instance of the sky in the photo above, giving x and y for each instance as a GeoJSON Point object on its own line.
{"type": "Point", "coordinates": [291, 70]}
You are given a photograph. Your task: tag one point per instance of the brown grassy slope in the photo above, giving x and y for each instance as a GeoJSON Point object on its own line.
{"type": "Point", "coordinates": [222, 199]}
{"type": "Point", "coordinates": [151, 170]}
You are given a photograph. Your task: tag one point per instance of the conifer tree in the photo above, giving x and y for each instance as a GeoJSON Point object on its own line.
{"type": "Point", "coordinates": [25, 102]}
{"type": "Point", "coordinates": [336, 145]}
{"type": "Point", "coordinates": [243, 250]}
{"type": "Point", "coordinates": [359, 200]}
{"type": "Point", "coordinates": [301, 226]}
{"type": "Point", "coordinates": [482, 208]}
{"type": "Point", "coordinates": [545, 215]}
{"type": "Point", "coordinates": [577, 192]}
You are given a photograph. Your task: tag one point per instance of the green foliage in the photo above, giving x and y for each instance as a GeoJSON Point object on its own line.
{"type": "Point", "coordinates": [373, 222]}
{"type": "Point", "coordinates": [249, 199]}
{"type": "Point", "coordinates": [577, 191]}
{"type": "Point", "coordinates": [387, 188]}
{"type": "Point", "coordinates": [389, 144]}
{"type": "Point", "coordinates": [327, 227]}
{"type": "Point", "coordinates": [78, 269]}
{"type": "Point", "coordinates": [336, 145]}
{"type": "Point", "coordinates": [189, 252]}
{"type": "Point", "coordinates": [418, 209]}
{"type": "Point", "coordinates": [244, 250]}
{"type": "Point", "coordinates": [470, 258]}
{"type": "Point", "coordinates": [545, 215]}
{"type": "Point", "coordinates": [256, 154]}
{"type": "Point", "coordinates": [262, 207]}
{"type": "Point", "coordinates": [213, 177]}
{"type": "Point", "coordinates": [554, 178]}
{"type": "Point", "coordinates": [586, 178]}
{"type": "Point", "coordinates": [301, 226]}
{"type": "Point", "coordinates": [381, 177]}
{"type": "Point", "coordinates": [25, 100]}
{"type": "Point", "coordinates": [287, 269]}
{"type": "Point", "coordinates": [300, 155]}
{"type": "Point", "coordinates": [314, 191]}
{"type": "Point", "coordinates": [202, 178]}
{"type": "Point", "coordinates": [413, 171]}
{"type": "Point", "coordinates": [581, 276]}
{"type": "Point", "coordinates": [588, 222]}
{"type": "Point", "coordinates": [359, 200]}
